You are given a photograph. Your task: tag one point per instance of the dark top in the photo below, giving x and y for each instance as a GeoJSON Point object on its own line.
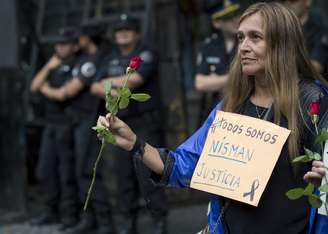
{"type": "Point", "coordinates": [316, 40]}
{"type": "Point", "coordinates": [275, 212]}
{"type": "Point", "coordinates": [268, 216]}
{"type": "Point", "coordinates": [55, 111]}
{"type": "Point", "coordinates": [85, 70]}
{"type": "Point", "coordinates": [115, 65]}
{"type": "Point", "coordinates": [214, 58]}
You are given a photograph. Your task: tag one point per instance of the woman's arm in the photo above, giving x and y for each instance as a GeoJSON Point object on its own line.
{"type": "Point", "coordinates": [175, 167]}
{"type": "Point", "coordinates": [126, 139]}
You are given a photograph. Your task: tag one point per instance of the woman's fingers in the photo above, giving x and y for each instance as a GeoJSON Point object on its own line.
{"type": "Point", "coordinates": [316, 174]}
{"type": "Point", "coordinates": [319, 167]}
{"type": "Point", "coordinates": [102, 121]}
{"type": "Point", "coordinates": [114, 122]}
{"type": "Point", "coordinates": [312, 175]}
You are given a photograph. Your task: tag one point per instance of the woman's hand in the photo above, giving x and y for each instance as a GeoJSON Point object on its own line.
{"type": "Point", "coordinates": [316, 174]}
{"type": "Point", "coordinates": [124, 136]}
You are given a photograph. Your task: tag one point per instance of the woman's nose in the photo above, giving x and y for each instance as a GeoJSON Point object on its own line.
{"type": "Point", "coordinates": [244, 45]}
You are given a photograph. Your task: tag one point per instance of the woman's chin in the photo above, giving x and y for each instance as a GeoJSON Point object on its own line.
{"type": "Point", "coordinates": [251, 72]}
{"type": "Point", "coordinates": [248, 73]}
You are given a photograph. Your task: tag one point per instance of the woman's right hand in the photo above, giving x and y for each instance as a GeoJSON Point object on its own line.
{"type": "Point", "coordinates": [124, 136]}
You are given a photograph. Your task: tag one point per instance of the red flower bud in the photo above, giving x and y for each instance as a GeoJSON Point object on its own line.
{"type": "Point", "coordinates": [135, 62]}
{"type": "Point", "coordinates": [314, 108]}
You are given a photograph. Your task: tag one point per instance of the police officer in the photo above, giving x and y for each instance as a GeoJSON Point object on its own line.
{"type": "Point", "coordinates": [83, 113]}
{"type": "Point", "coordinates": [145, 118]}
{"type": "Point", "coordinates": [216, 51]}
{"type": "Point", "coordinates": [56, 164]}
{"type": "Point", "coordinates": [314, 33]}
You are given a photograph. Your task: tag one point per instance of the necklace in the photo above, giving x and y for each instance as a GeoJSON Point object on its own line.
{"type": "Point", "coordinates": [260, 115]}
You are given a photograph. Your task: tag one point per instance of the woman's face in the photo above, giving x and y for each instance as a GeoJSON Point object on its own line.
{"type": "Point", "coordinates": [252, 46]}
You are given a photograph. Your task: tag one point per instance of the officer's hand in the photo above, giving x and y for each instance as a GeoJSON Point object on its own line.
{"type": "Point", "coordinates": [97, 89]}
{"type": "Point", "coordinates": [124, 136]}
{"type": "Point", "coordinates": [316, 174]}
{"type": "Point", "coordinates": [53, 62]}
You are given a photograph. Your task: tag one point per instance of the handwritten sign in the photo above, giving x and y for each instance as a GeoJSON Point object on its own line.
{"type": "Point", "coordinates": [238, 157]}
{"type": "Point", "coordinates": [323, 210]}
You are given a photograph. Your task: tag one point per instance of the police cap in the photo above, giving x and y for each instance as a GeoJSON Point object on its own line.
{"type": "Point", "coordinates": [93, 28]}
{"type": "Point", "coordinates": [67, 35]}
{"type": "Point", "coordinates": [127, 22]}
{"type": "Point", "coordinates": [220, 9]}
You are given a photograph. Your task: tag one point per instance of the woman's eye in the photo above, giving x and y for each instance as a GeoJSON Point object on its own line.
{"type": "Point", "coordinates": [256, 37]}
{"type": "Point", "coordinates": [240, 38]}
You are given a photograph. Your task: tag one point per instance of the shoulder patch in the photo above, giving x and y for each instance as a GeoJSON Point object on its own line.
{"type": "Point", "coordinates": [324, 39]}
{"type": "Point", "coordinates": [75, 71]}
{"type": "Point", "coordinates": [65, 68]}
{"type": "Point", "coordinates": [215, 36]}
{"type": "Point", "coordinates": [207, 40]}
{"type": "Point", "coordinates": [146, 56]}
{"type": "Point", "coordinates": [88, 69]}
{"type": "Point", "coordinates": [199, 58]}
{"type": "Point", "coordinates": [114, 62]}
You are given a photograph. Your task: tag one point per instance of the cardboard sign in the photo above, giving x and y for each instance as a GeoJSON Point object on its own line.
{"type": "Point", "coordinates": [323, 210]}
{"type": "Point", "coordinates": [238, 157]}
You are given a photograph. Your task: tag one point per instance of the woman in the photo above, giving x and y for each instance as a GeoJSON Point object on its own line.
{"type": "Point", "coordinates": [271, 78]}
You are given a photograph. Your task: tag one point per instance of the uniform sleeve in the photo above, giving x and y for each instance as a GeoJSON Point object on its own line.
{"type": "Point", "coordinates": [202, 66]}
{"type": "Point", "coordinates": [101, 72]}
{"type": "Point", "coordinates": [149, 66]}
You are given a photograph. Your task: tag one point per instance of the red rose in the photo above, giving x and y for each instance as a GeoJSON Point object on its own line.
{"type": "Point", "coordinates": [314, 108]}
{"type": "Point", "coordinates": [135, 62]}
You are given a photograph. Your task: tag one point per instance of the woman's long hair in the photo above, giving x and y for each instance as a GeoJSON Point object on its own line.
{"type": "Point", "coordinates": [287, 62]}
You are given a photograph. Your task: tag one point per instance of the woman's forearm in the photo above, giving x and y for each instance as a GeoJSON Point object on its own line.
{"type": "Point", "coordinates": [152, 159]}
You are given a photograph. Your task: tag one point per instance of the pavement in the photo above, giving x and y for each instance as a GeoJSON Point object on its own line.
{"type": "Point", "coordinates": [188, 219]}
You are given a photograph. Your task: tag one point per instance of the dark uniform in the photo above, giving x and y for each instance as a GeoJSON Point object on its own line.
{"type": "Point", "coordinates": [145, 120]}
{"type": "Point", "coordinates": [213, 57]}
{"type": "Point", "coordinates": [316, 40]}
{"type": "Point", "coordinates": [56, 165]}
{"type": "Point", "coordinates": [83, 114]}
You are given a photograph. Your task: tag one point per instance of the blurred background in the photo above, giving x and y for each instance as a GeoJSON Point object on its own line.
{"type": "Point", "coordinates": [28, 29]}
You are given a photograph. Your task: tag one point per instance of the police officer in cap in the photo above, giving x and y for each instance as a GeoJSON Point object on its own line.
{"type": "Point", "coordinates": [315, 34]}
{"type": "Point", "coordinates": [145, 118]}
{"type": "Point", "coordinates": [56, 162]}
{"type": "Point", "coordinates": [83, 113]}
{"type": "Point", "coordinates": [216, 51]}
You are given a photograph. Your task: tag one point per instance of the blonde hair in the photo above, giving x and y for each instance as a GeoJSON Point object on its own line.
{"type": "Point", "coordinates": [287, 62]}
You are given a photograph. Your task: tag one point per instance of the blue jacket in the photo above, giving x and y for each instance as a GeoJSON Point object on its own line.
{"type": "Point", "coordinates": [186, 157]}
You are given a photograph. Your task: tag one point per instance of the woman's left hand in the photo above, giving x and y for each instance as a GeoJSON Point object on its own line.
{"type": "Point", "coordinates": [316, 174]}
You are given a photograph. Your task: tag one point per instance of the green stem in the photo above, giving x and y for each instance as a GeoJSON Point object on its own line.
{"type": "Point", "coordinates": [316, 128]}
{"type": "Point", "coordinates": [119, 96]}
{"type": "Point", "coordinates": [103, 144]}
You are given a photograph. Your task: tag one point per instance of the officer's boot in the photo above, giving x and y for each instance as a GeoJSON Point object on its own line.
{"type": "Point", "coordinates": [128, 225]}
{"type": "Point", "coordinates": [49, 216]}
{"type": "Point", "coordinates": [105, 223]}
{"type": "Point", "coordinates": [69, 216]}
{"type": "Point", "coordinates": [160, 225]}
{"type": "Point", "coordinates": [87, 225]}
